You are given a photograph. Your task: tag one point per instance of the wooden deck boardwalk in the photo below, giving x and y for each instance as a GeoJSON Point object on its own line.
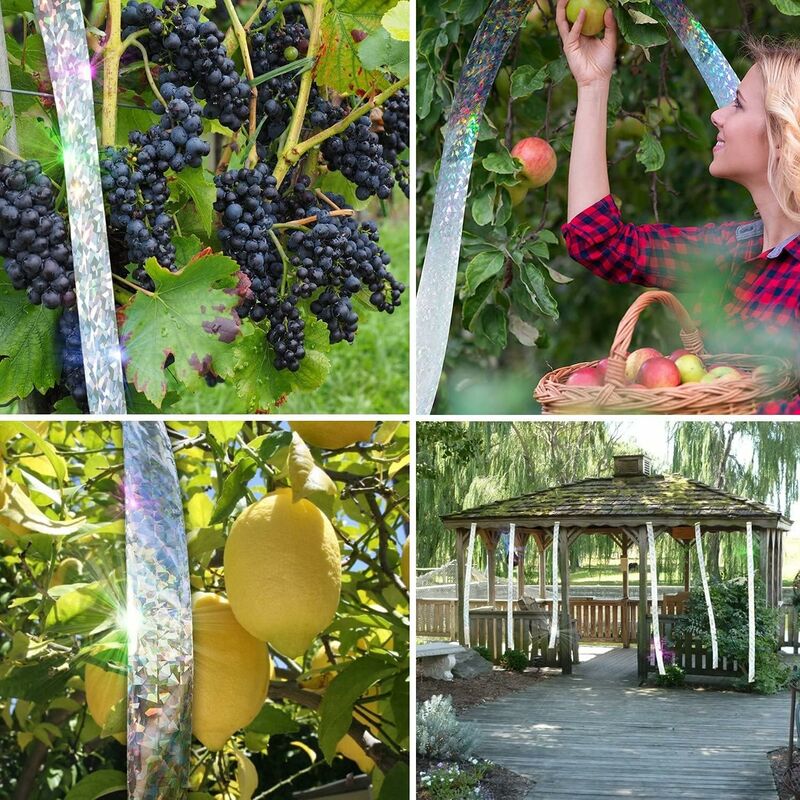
{"type": "Point", "coordinates": [597, 734]}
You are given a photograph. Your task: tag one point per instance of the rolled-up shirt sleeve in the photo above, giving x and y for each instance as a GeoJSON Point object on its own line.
{"type": "Point", "coordinates": [653, 254]}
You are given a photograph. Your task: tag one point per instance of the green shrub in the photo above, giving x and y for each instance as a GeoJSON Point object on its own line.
{"type": "Point", "coordinates": [440, 734]}
{"type": "Point", "coordinates": [729, 599]}
{"type": "Point", "coordinates": [514, 660]}
{"type": "Point", "coordinates": [673, 676]}
{"type": "Point", "coordinates": [484, 652]}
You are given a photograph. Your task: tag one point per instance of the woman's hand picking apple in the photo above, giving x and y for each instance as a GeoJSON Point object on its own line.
{"type": "Point", "coordinates": [590, 59]}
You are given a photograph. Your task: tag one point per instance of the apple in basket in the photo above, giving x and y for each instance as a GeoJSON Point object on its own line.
{"type": "Point", "coordinates": [658, 372]}
{"type": "Point", "coordinates": [721, 373]}
{"type": "Point", "coordinates": [691, 368]}
{"type": "Point", "coordinates": [676, 354]}
{"type": "Point", "coordinates": [585, 376]}
{"type": "Point", "coordinates": [635, 360]}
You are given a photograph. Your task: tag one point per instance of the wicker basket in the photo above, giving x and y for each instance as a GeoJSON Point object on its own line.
{"type": "Point", "coordinates": [721, 397]}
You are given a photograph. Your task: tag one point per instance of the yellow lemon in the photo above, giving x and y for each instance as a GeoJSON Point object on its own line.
{"type": "Point", "coordinates": [349, 748]}
{"type": "Point", "coordinates": [405, 565]}
{"type": "Point", "coordinates": [283, 572]}
{"type": "Point", "coordinates": [334, 435]}
{"type": "Point", "coordinates": [231, 672]}
{"type": "Point", "coordinates": [106, 690]}
{"type": "Point", "coordinates": [317, 680]}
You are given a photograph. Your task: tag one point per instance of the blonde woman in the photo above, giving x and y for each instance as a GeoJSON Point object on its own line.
{"type": "Point", "coordinates": [745, 276]}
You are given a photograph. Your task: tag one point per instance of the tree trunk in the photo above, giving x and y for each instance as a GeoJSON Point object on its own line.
{"type": "Point", "coordinates": [712, 539]}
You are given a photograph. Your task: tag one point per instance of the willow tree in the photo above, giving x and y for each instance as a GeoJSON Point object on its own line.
{"type": "Point", "coordinates": [757, 460]}
{"type": "Point", "coordinates": [462, 464]}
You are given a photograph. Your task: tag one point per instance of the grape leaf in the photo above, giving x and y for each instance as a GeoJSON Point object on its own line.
{"type": "Point", "coordinates": [195, 185]}
{"type": "Point", "coordinates": [27, 340]}
{"type": "Point", "coordinates": [791, 7]}
{"type": "Point", "coordinates": [189, 315]}
{"type": "Point", "coordinates": [379, 49]}
{"type": "Point", "coordinates": [248, 364]}
{"type": "Point", "coordinates": [344, 25]}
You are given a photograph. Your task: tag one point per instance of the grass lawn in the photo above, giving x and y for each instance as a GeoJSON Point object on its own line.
{"type": "Point", "coordinates": [371, 375]}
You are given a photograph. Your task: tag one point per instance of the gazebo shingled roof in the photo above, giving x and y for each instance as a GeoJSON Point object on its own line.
{"type": "Point", "coordinates": [601, 502]}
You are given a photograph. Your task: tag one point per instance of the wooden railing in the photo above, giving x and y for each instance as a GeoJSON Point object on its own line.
{"type": "Point", "coordinates": [488, 628]}
{"type": "Point", "coordinates": [595, 620]}
{"type": "Point", "coordinates": [688, 653]}
{"type": "Point", "coordinates": [788, 632]}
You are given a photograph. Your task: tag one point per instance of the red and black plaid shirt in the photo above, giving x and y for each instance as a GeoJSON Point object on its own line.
{"type": "Point", "coordinates": [745, 300]}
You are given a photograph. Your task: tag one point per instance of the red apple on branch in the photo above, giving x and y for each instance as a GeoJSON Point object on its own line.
{"type": "Point", "coordinates": [538, 160]}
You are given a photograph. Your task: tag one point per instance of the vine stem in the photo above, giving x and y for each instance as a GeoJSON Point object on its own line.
{"type": "Point", "coordinates": [292, 153]}
{"type": "Point", "coordinates": [136, 43]}
{"type": "Point", "coordinates": [284, 259]}
{"type": "Point", "coordinates": [241, 37]}
{"type": "Point", "coordinates": [112, 52]}
{"type": "Point", "coordinates": [131, 285]}
{"type": "Point", "coordinates": [286, 159]}
{"type": "Point", "coordinates": [296, 223]}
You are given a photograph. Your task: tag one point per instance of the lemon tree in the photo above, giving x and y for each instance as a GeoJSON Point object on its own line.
{"type": "Point", "coordinates": [300, 607]}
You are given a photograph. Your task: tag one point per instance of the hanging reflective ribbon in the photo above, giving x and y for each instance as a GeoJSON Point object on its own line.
{"type": "Point", "coordinates": [437, 285]}
{"type": "Point", "coordinates": [159, 618]}
{"type": "Point", "coordinates": [751, 608]}
{"type": "Point", "coordinates": [64, 35]}
{"type": "Point", "coordinates": [651, 552]}
{"type": "Point", "coordinates": [555, 593]}
{"type": "Point", "coordinates": [712, 622]}
{"type": "Point", "coordinates": [468, 581]}
{"type": "Point", "coordinates": [714, 68]}
{"type": "Point", "coordinates": [510, 606]}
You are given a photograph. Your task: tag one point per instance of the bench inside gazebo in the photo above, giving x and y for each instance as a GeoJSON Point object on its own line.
{"type": "Point", "coordinates": [621, 507]}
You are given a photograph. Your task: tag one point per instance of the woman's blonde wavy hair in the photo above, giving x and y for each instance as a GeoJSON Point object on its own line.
{"type": "Point", "coordinates": [779, 62]}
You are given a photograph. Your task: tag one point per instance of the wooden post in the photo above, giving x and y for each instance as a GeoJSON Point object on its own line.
{"type": "Point", "coordinates": [461, 566]}
{"type": "Point", "coordinates": [564, 622]}
{"type": "Point", "coordinates": [542, 567]}
{"type": "Point", "coordinates": [626, 634]}
{"type": "Point", "coordinates": [779, 534]}
{"type": "Point", "coordinates": [763, 560]}
{"type": "Point", "coordinates": [687, 565]}
{"type": "Point", "coordinates": [491, 565]}
{"type": "Point", "coordinates": [643, 639]}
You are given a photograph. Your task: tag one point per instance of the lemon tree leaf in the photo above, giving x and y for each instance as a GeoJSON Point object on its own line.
{"type": "Point", "coordinates": [28, 358]}
{"type": "Point", "coordinates": [233, 490]}
{"type": "Point", "coordinates": [344, 25]}
{"type": "Point", "coordinates": [189, 315]}
{"type": "Point", "coordinates": [271, 720]}
{"type": "Point", "coordinates": [336, 709]}
{"type": "Point", "coordinates": [98, 784]}
{"type": "Point", "coordinates": [85, 609]}
{"type": "Point", "coordinates": [308, 480]}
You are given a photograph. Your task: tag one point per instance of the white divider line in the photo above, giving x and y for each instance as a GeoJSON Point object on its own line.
{"type": "Point", "coordinates": [712, 622]}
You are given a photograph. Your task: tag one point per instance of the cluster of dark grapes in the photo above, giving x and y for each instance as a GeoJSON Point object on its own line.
{"type": "Point", "coordinates": [134, 179]}
{"type": "Point", "coordinates": [194, 55]}
{"type": "Point", "coordinates": [395, 135]}
{"type": "Point", "coordinates": [72, 375]}
{"type": "Point", "coordinates": [329, 259]}
{"type": "Point", "coordinates": [34, 239]}
{"type": "Point", "coordinates": [282, 43]}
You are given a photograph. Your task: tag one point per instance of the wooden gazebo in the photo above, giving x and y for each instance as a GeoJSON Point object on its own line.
{"type": "Point", "coordinates": [620, 507]}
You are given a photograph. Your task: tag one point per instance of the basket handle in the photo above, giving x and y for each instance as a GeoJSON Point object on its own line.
{"type": "Point", "coordinates": [690, 335]}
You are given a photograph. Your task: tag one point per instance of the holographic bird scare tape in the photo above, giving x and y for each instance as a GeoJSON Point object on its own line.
{"type": "Point", "coordinates": [159, 608]}
{"type": "Point", "coordinates": [64, 35]}
{"type": "Point", "coordinates": [494, 35]}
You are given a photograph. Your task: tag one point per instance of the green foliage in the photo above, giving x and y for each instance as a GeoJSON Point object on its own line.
{"type": "Point", "coordinates": [673, 677]}
{"type": "Point", "coordinates": [440, 734]}
{"type": "Point", "coordinates": [729, 600]}
{"type": "Point", "coordinates": [514, 660]}
{"type": "Point", "coordinates": [521, 319]}
{"type": "Point", "coordinates": [64, 597]}
{"type": "Point", "coordinates": [483, 652]}
{"type": "Point", "coordinates": [453, 781]}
